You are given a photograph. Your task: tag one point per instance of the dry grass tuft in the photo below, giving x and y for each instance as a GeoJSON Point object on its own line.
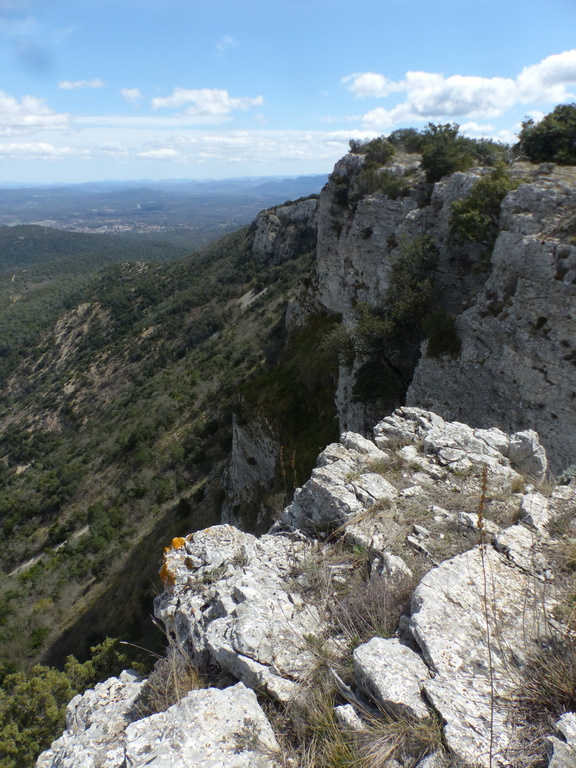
{"type": "Point", "coordinates": [403, 740]}
{"type": "Point", "coordinates": [370, 608]}
{"type": "Point", "coordinates": [171, 679]}
{"type": "Point", "coordinates": [546, 690]}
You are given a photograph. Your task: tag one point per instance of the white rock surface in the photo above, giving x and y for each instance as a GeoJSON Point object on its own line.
{"type": "Point", "coordinates": [516, 366]}
{"type": "Point", "coordinates": [393, 676]}
{"type": "Point", "coordinates": [474, 617]}
{"type": "Point", "coordinates": [231, 601]}
{"type": "Point", "coordinates": [561, 747]}
{"type": "Point", "coordinates": [343, 485]}
{"type": "Point", "coordinates": [95, 726]}
{"type": "Point", "coordinates": [206, 729]}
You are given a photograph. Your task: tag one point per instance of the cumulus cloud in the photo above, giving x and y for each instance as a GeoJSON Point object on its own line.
{"type": "Point", "coordinates": [131, 94]}
{"type": "Point", "coordinates": [429, 95]}
{"type": "Point", "coordinates": [211, 103]}
{"type": "Point", "coordinates": [547, 81]}
{"type": "Point", "coordinates": [28, 113]}
{"type": "Point", "coordinates": [73, 85]}
{"type": "Point", "coordinates": [372, 84]}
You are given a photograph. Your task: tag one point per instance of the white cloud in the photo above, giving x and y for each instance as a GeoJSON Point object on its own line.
{"type": "Point", "coordinates": [548, 80]}
{"type": "Point", "coordinates": [39, 150]}
{"type": "Point", "coordinates": [364, 84]}
{"type": "Point", "coordinates": [430, 95]}
{"type": "Point", "coordinates": [160, 154]}
{"type": "Point", "coordinates": [211, 103]}
{"type": "Point", "coordinates": [226, 43]}
{"type": "Point", "coordinates": [27, 114]}
{"type": "Point", "coordinates": [131, 94]}
{"type": "Point", "coordinates": [73, 85]}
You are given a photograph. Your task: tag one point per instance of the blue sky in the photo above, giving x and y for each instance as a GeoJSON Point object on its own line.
{"type": "Point", "coordinates": [134, 89]}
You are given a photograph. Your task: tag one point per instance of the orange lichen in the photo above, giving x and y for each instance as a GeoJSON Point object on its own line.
{"type": "Point", "coordinates": [167, 576]}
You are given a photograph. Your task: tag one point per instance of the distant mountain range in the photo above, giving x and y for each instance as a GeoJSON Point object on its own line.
{"type": "Point", "coordinates": [187, 210]}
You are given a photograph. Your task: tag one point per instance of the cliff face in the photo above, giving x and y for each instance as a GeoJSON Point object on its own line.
{"type": "Point", "coordinates": [518, 357]}
{"type": "Point", "coordinates": [513, 304]}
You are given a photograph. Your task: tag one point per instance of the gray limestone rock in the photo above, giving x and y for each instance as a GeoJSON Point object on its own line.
{"type": "Point", "coordinates": [459, 447]}
{"type": "Point", "coordinates": [517, 332]}
{"type": "Point", "coordinates": [393, 676]}
{"type": "Point", "coordinates": [534, 511]}
{"type": "Point", "coordinates": [561, 746]}
{"type": "Point", "coordinates": [343, 486]}
{"type": "Point", "coordinates": [208, 728]}
{"type": "Point", "coordinates": [95, 725]}
{"type": "Point", "coordinates": [230, 600]}
{"type": "Point", "coordinates": [474, 617]}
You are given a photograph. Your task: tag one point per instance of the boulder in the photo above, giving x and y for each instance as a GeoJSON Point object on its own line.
{"type": "Point", "coordinates": [475, 617]}
{"type": "Point", "coordinates": [229, 601]}
{"type": "Point", "coordinates": [393, 676]}
{"type": "Point", "coordinates": [206, 729]}
{"type": "Point", "coordinates": [343, 485]}
{"type": "Point", "coordinates": [95, 725]}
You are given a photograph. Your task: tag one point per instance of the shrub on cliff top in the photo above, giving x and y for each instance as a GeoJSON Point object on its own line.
{"type": "Point", "coordinates": [475, 218]}
{"type": "Point", "coordinates": [553, 139]}
{"type": "Point", "coordinates": [378, 151]}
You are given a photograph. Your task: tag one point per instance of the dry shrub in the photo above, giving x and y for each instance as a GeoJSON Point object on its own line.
{"type": "Point", "coordinates": [370, 608]}
{"type": "Point", "coordinates": [546, 690]}
{"type": "Point", "coordinates": [403, 740]}
{"type": "Point", "coordinates": [171, 679]}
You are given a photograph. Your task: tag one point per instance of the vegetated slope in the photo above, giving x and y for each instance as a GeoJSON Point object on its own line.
{"type": "Point", "coordinates": [112, 420]}
{"type": "Point", "coordinates": [58, 251]}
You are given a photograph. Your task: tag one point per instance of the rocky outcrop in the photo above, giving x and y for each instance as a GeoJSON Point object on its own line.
{"type": "Point", "coordinates": [285, 232]}
{"type": "Point", "coordinates": [207, 728]}
{"type": "Point", "coordinates": [95, 726]}
{"type": "Point", "coordinates": [513, 317]}
{"type": "Point", "coordinates": [231, 602]}
{"type": "Point", "coordinates": [429, 497]}
{"type": "Point", "coordinates": [516, 367]}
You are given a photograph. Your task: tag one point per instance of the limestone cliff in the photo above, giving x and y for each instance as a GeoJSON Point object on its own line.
{"type": "Point", "coordinates": [513, 301]}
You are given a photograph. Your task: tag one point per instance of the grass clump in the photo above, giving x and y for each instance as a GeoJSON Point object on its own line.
{"type": "Point", "coordinates": [546, 690]}
{"type": "Point", "coordinates": [370, 608]}
{"type": "Point", "coordinates": [172, 678]}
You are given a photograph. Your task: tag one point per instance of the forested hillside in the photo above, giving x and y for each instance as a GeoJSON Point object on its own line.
{"type": "Point", "coordinates": [117, 407]}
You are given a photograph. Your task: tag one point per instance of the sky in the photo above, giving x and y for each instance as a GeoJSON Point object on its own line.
{"type": "Point", "coordinates": [95, 90]}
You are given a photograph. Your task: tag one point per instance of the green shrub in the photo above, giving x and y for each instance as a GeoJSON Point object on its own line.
{"type": "Point", "coordinates": [440, 331]}
{"type": "Point", "coordinates": [553, 139]}
{"type": "Point", "coordinates": [475, 219]}
{"type": "Point", "coordinates": [372, 180]}
{"type": "Point", "coordinates": [408, 139]}
{"type": "Point", "coordinates": [378, 151]}
{"type": "Point", "coordinates": [444, 151]}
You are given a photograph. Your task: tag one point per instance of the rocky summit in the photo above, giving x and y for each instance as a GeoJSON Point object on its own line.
{"type": "Point", "coordinates": [417, 570]}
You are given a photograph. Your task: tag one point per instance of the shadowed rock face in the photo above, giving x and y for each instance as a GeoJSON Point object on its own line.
{"type": "Point", "coordinates": [514, 308]}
